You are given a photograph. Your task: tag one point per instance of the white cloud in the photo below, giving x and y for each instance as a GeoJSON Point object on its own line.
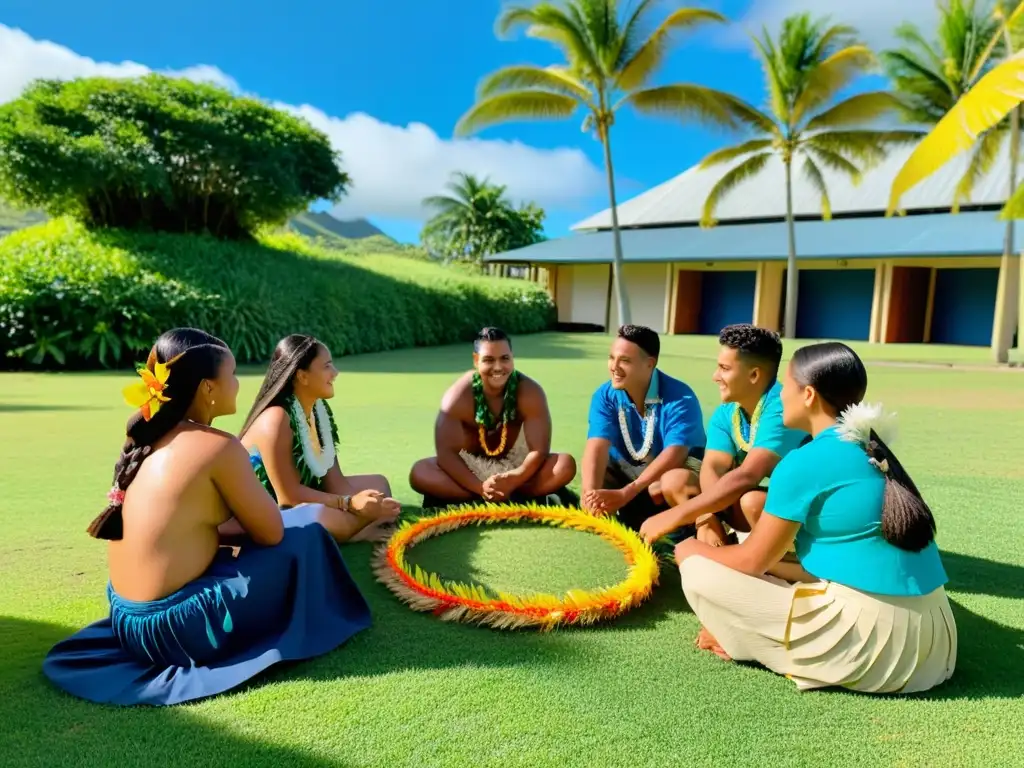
{"type": "Point", "coordinates": [25, 59]}
{"type": "Point", "coordinates": [392, 167]}
{"type": "Point", "coordinates": [875, 20]}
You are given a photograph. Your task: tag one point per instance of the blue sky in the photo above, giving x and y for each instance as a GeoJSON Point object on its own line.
{"type": "Point", "coordinates": [388, 80]}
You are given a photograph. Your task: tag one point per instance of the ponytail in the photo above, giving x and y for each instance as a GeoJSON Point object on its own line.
{"type": "Point", "coordinates": [907, 520]}
{"type": "Point", "coordinates": [190, 357]}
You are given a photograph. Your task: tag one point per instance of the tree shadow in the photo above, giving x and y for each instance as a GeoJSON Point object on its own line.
{"type": "Point", "coordinates": [979, 576]}
{"type": "Point", "coordinates": [45, 408]}
{"type": "Point", "coordinates": [41, 723]}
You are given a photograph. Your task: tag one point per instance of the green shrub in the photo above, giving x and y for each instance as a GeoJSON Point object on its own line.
{"type": "Point", "coordinates": [163, 154]}
{"type": "Point", "coordinates": [70, 297]}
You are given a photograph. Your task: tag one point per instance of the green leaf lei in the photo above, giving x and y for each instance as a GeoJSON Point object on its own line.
{"type": "Point", "coordinates": [483, 415]}
{"type": "Point", "coordinates": [306, 476]}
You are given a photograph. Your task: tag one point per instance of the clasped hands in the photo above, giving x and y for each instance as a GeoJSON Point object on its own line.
{"type": "Point", "coordinates": [604, 501]}
{"type": "Point", "coordinates": [500, 486]}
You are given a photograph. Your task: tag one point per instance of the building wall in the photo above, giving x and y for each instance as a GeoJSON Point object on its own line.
{"type": "Point", "coordinates": [896, 312]}
{"type": "Point", "coordinates": [648, 293]}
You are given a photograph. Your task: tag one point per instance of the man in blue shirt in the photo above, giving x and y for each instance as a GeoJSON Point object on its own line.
{"type": "Point", "coordinates": [746, 440]}
{"type": "Point", "coordinates": [642, 424]}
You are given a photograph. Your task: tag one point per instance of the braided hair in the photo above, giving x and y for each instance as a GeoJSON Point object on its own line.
{"type": "Point", "coordinates": [293, 353]}
{"type": "Point", "coordinates": [840, 379]}
{"type": "Point", "coordinates": [199, 357]}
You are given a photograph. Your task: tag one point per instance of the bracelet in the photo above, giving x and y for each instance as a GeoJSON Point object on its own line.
{"type": "Point", "coordinates": [346, 503]}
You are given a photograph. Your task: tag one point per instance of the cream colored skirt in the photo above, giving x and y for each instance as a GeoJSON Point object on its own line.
{"type": "Point", "coordinates": [824, 634]}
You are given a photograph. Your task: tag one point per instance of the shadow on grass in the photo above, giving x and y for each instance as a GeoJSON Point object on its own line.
{"type": "Point", "coordinates": [44, 408]}
{"type": "Point", "coordinates": [979, 576]}
{"type": "Point", "coordinates": [43, 726]}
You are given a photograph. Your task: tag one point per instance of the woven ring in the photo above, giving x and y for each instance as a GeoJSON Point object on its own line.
{"type": "Point", "coordinates": [452, 601]}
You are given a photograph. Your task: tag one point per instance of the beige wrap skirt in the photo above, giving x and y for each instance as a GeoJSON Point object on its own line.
{"type": "Point", "coordinates": [824, 634]}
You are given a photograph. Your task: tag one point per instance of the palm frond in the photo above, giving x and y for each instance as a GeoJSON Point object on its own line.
{"type": "Point", "coordinates": [830, 77]}
{"type": "Point", "coordinates": [767, 51]}
{"type": "Point", "coordinates": [645, 61]}
{"type": "Point", "coordinates": [866, 146]}
{"type": "Point", "coordinates": [997, 40]}
{"type": "Point", "coordinates": [980, 109]}
{"type": "Point", "coordinates": [728, 154]}
{"type": "Point", "coordinates": [835, 161]}
{"type": "Point", "coordinates": [856, 110]}
{"type": "Point", "coordinates": [632, 32]}
{"type": "Point", "coordinates": [983, 159]}
{"type": "Point", "coordinates": [547, 21]}
{"type": "Point", "coordinates": [526, 76]}
{"type": "Point", "coordinates": [686, 100]}
{"type": "Point", "coordinates": [813, 174]}
{"type": "Point", "coordinates": [746, 170]}
{"type": "Point", "coordinates": [1014, 208]}
{"type": "Point", "coordinates": [517, 105]}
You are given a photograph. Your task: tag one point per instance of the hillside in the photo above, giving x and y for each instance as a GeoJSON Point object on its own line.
{"type": "Point", "coordinates": [317, 225]}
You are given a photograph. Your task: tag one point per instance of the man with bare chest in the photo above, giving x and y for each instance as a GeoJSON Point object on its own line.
{"type": "Point", "coordinates": [492, 435]}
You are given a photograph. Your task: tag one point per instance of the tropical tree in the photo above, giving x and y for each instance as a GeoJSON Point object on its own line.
{"type": "Point", "coordinates": [610, 61]}
{"type": "Point", "coordinates": [930, 76]}
{"type": "Point", "coordinates": [932, 87]}
{"type": "Point", "coordinates": [476, 219]}
{"type": "Point", "coordinates": [805, 68]}
{"type": "Point", "coordinates": [162, 153]}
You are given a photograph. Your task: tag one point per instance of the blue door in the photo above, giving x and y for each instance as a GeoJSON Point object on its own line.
{"type": "Point", "coordinates": [726, 298]}
{"type": "Point", "coordinates": [965, 306]}
{"type": "Point", "coordinates": [835, 304]}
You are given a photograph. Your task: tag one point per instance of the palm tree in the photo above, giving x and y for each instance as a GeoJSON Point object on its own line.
{"type": "Point", "coordinates": [932, 79]}
{"type": "Point", "coordinates": [609, 64]}
{"type": "Point", "coordinates": [476, 218]}
{"type": "Point", "coordinates": [804, 69]}
{"type": "Point", "coordinates": [931, 76]}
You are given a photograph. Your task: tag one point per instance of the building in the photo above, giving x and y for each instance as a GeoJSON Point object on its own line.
{"type": "Point", "coordinates": [926, 276]}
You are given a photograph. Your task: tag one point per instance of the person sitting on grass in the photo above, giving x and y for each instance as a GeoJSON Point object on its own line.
{"type": "Point", "coordinates": [870, 612]}
{"type": "Point", "coordinates": [746, 439]}
{"type": "Point", "coordinates": [292, 439]}
{"type": "Point", "coordinates": [642, 425]}
{"type": "Point", "coordinates": [188, 618]}
{"type": "Point", "coordinates": [493, 436]}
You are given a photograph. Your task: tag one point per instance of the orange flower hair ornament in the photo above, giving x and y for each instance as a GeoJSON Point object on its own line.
{"type": "Point", "coordinates": [148, 394]}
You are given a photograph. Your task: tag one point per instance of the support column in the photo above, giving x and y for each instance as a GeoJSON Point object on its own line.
{"type": "Point", "coordinates": [880, 303]}
{"type": "Point", "coordinates": [768, 295]}
{"type": "Point", "coordinates": [1004, 322]}
{"type": "Point", "coordinates": [929, 307]}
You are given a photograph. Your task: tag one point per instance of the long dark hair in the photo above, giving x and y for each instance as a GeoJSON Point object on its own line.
{"type": "Point", "coordinates": [199, 357]}
{"type": "Point", "coordinates": [840, 379]}
{"type": "Point", "coordinates": [293, 353]}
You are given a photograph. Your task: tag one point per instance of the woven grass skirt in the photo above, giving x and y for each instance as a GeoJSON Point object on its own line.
{"type": "Point", "coordinates": [824, 634]}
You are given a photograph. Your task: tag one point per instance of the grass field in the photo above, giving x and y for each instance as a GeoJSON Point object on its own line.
{"type": "Point", "coordinates": [413, 691]}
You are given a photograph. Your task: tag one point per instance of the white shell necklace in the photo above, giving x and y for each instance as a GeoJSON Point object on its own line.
{"type": "Point", "coordinates": [318, 463]}
{"type": "Point", "coordinates": [648, 421]}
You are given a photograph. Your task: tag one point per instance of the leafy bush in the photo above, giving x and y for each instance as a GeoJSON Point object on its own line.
{"type": "Point", "coordinates": [71, 297]}
{"type": "Point", "coordinates": [163, 154]}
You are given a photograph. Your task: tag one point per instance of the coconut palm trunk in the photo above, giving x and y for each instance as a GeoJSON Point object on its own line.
{"type": "Point", "coordinates": [621, 298]}
{"type": "Point", "coordinates": [792, 281]}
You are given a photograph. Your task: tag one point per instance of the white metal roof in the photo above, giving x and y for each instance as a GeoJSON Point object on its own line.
{"type": "Point", "coordinates": [681, 199]}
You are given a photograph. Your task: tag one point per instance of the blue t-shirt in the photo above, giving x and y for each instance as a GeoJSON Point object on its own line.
{"type": "Point", "coordinates": [678, 421]}
{"type": "Point", "coordinates": [770, 433]}
{"type": "Point", "coordinates": [830, 488]}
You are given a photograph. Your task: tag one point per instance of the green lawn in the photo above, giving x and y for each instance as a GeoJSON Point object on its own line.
{"type": "Point", "coordinates": [414, 691]}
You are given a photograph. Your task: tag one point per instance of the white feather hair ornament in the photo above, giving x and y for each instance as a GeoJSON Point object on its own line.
{"type": "Point", "coordinates": [856, 422]}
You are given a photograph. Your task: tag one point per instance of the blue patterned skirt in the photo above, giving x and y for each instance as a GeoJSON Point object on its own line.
{"type": "Point", "coordinates": [292, 601]}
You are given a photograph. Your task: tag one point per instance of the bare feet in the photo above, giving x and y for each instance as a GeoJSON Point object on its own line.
{"type": "Point", "coordinates": [707, 642]}
{"type": "Point", "coordinates": [711, 531]}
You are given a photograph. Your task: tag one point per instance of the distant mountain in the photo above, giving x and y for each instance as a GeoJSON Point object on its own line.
{"type": "Point", "coordinates": [313, 224]}
{"type": "Point", "coordinates": [12, 219]}
{"type": "Point", "coordinates": [322, 224]}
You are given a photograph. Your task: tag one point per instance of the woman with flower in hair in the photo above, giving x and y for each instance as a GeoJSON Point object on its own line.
{"type": "Point", "coordinates": [868, 611]}
{"type": "Point", "coordinates": [292, 439]}
{"type": "Point", "coordinates": [188, 618]}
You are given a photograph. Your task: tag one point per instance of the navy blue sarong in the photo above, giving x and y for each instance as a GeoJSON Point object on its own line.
{"type": "Point", "coordinates": [292, 601]}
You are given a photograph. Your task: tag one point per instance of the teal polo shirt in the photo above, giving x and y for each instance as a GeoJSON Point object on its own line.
{"type": "Point", "coordinates": [830, 488]}
{"type": "Point", "coordinates": [771, 435]}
